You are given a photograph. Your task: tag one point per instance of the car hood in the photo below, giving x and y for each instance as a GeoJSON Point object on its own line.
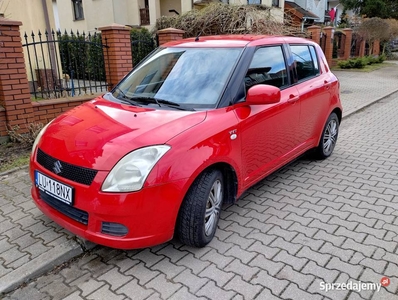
{"type": "Point", "coordinates": [99, 133]}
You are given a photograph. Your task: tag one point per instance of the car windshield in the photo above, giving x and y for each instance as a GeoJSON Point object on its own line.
{"type": "Point", "coordinates": [180, 77]}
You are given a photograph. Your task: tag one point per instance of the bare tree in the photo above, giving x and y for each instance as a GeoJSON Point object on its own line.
{"type": "Point", "coordinates": [393, 28]}
{"type": "Point", "coordinates": [219, 18]}
{"type": "Point", "coordinates": [375, 29]}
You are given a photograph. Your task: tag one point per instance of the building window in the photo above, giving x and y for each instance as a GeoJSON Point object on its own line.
{"type": "Point", "coordinates": [275, 3]}
{"type": "Point", "coordinates": [253, 1]}
{"type": "Point", "coordinates": [77, 10]}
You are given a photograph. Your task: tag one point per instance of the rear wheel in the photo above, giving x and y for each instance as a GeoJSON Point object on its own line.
{"type": "Point", "coordinates": [200, 211]}
{"type": "Point", "coordinates": [329, 137]}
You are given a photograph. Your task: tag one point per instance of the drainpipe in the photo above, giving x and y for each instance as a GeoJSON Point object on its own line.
{"type": "Point", "coordinates": [50, 37]}
{"type": "Point", "coordinates": [302, 24]}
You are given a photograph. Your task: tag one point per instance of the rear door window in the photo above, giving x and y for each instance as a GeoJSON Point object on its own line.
{"type": "Point", "coordinates": [305, 60]}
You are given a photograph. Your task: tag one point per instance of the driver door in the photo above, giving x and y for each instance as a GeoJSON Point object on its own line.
{"type": "Point", "coordinates": [268, 132]}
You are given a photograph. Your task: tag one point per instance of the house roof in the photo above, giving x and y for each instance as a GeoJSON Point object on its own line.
{"type": "Point", "coordinates": [299, 11]}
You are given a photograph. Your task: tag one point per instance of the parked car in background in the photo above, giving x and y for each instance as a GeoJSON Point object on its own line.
{"type": "Point", "coordinates": [394, 45]}
{"type": "Point", "coordinates": [188, 129]}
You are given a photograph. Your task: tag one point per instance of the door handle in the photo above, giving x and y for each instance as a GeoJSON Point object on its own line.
{"type": "Point", "coordinates": [327, 84]}
{"type": "Point", "coordinates": [293, 98]}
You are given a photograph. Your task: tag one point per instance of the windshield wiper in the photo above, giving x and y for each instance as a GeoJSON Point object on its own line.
{"type": "Point", "coordinates": [146, 99]}
{"type": "Point", "coordinates": [159, 101]}
{"type": "Point", "coordinates": [125, 98]}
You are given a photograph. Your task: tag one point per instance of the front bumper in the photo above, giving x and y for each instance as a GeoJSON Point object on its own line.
{"type": "Point", "coordinates": [149, 215]}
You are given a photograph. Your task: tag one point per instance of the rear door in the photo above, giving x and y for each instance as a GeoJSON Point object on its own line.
{"type": "Point", "coordinates": [313, 88]}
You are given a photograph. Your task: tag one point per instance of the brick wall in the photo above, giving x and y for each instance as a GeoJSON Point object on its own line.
{"type": "Point", "coordinates": [3, 131]}
{"type": "Point", "coordinates": [16, 107]}
{"type": "Point", "coordinates": [14, 87]}
{"type": "Point", "coordinates": [118, 61]}
{"type": "Point", "coordinates": [46, 110]}
{"type": "Point", "coordinates": [170, 34]}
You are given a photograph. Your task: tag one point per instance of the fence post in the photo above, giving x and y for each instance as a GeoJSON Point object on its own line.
{"type": "Point", "coordinates": [376, 47]}
{"type": "Point", "coordinates": [170, 34]}
{"type": "Point", "coordinates": [329, 44]}
{"type": "Point", "coordinates": [315, 32]}
{"type": "Point", "coordinates": [362, 46]}
{"type": "Point", "coordinates": [14, 86]}
{"type": "Point", "coordinates": [347, 43]}
{"type": "Point", "coordinates": [118, 59]}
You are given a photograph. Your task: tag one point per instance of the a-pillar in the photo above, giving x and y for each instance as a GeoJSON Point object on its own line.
{"type": "Point", "coordinates": [329, 44]}
{"type": "Point", "coordinates": [315, 33]}
{"type": "Point", "coordinates": [170, 34]}
{"type": "Point", "coordinates": [347, 43]}
{"type": "Point", "coordinates": [14, 86]}
{"type": "Point", "coordinates": [118, 57]}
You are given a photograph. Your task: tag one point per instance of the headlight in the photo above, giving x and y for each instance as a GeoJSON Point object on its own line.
{"type": "Point", "coordinates": [40, 135]}
{"type": "Point", "coordinates": [130, 173]}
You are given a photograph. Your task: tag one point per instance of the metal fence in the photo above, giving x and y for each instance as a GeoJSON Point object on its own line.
{"type": "Point", "coordinates": [142, 43]}
{"type": "Point", "coordinates": [65, 65]}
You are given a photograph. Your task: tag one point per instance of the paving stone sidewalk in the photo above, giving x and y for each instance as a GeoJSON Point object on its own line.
{"type": "Point", "coordinates": [31, 244]}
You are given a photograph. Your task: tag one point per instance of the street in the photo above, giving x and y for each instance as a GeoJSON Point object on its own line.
{"type": "Point", "coordinates": [309, 224]}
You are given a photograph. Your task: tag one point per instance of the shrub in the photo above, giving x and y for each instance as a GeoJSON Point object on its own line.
{"type": "Point", "coordinates": [344, 64]}
{"type": "Point", "coordinates": [360, 62]}
{"type": "Point", "coordinates": [142, 43]}
{"type": "Point", "coordinates": [82, 54]}
{"type": "Point", "coordinates": [26, 139]}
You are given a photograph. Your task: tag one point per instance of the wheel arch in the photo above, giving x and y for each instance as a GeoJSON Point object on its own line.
{"type": "Point", "coordinates": [230, 180]}
{"type": "Point", "coordinates": [339, 113]}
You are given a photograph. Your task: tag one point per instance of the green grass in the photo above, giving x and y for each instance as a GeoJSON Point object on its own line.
{"type": "Point", "coordinates": [33, 98]}
{"type": "Point", "coordinates": [367, 68]}
{"type": "Point", "coordinates": [20, 161]}
{"type": "Point", "coordinates": [13, 155]}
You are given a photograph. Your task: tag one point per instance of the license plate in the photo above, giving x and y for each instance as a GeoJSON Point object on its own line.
{"type": "Point", "coordinates": [54, 188]}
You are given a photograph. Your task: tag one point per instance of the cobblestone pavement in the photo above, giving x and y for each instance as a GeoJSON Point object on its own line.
{"type": "Point", "coordinates": [330, 221]}
{"type": "Point", "coordinates": [28, 239]}
{"type": "Point", "coordinates": [359, 89]}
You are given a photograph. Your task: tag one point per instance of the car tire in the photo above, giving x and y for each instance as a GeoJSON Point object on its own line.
{"type": "Point", "coordinates": [328, 138]}
{"type": "Point", "coordinates": [200, 211]}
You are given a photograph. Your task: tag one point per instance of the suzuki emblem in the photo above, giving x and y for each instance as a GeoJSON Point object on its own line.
{"type": "Point", "coordinates": [57, 167]}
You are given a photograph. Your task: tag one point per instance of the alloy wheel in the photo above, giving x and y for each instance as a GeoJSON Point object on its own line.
{"type": "Point", "coordinates": [213, 207]}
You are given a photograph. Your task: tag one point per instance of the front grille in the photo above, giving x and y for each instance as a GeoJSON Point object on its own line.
{"type": "Point", "coordinates": [68, 171]}
{"type": "Point", "coordinates": [69, 211]}
{"type": "Point", "coordinates": [115, 229]}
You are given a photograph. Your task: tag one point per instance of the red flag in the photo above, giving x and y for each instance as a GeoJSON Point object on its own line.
{"type": "Point", "coordinates": [332, 14]}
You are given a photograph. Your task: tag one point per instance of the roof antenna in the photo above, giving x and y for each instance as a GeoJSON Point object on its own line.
{"type": "Point", "coordinates": [197, 37]}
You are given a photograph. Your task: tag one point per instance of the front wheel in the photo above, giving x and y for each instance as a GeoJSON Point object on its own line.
{"type": "Point", "coordinates": [329, 137]}
{"type": "Point", "coordinates": [200, 211]}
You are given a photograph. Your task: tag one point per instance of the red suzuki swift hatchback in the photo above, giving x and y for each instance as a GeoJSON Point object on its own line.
{"type": "Point", "coordinates": [188, 129]}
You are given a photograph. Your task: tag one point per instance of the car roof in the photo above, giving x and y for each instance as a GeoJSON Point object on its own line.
{"type": "Point", "coordinates": [235, 41]}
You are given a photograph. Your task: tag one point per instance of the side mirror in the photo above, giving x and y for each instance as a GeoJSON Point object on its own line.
{"type": "Point", "coordinates": [263, 94]}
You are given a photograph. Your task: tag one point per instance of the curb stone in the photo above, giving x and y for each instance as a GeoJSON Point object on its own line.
{"type": "Point", "coordinates": [41, 264]}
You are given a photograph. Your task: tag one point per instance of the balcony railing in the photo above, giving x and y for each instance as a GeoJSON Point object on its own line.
{"type": "Point", "coordinates": [144, 16]}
